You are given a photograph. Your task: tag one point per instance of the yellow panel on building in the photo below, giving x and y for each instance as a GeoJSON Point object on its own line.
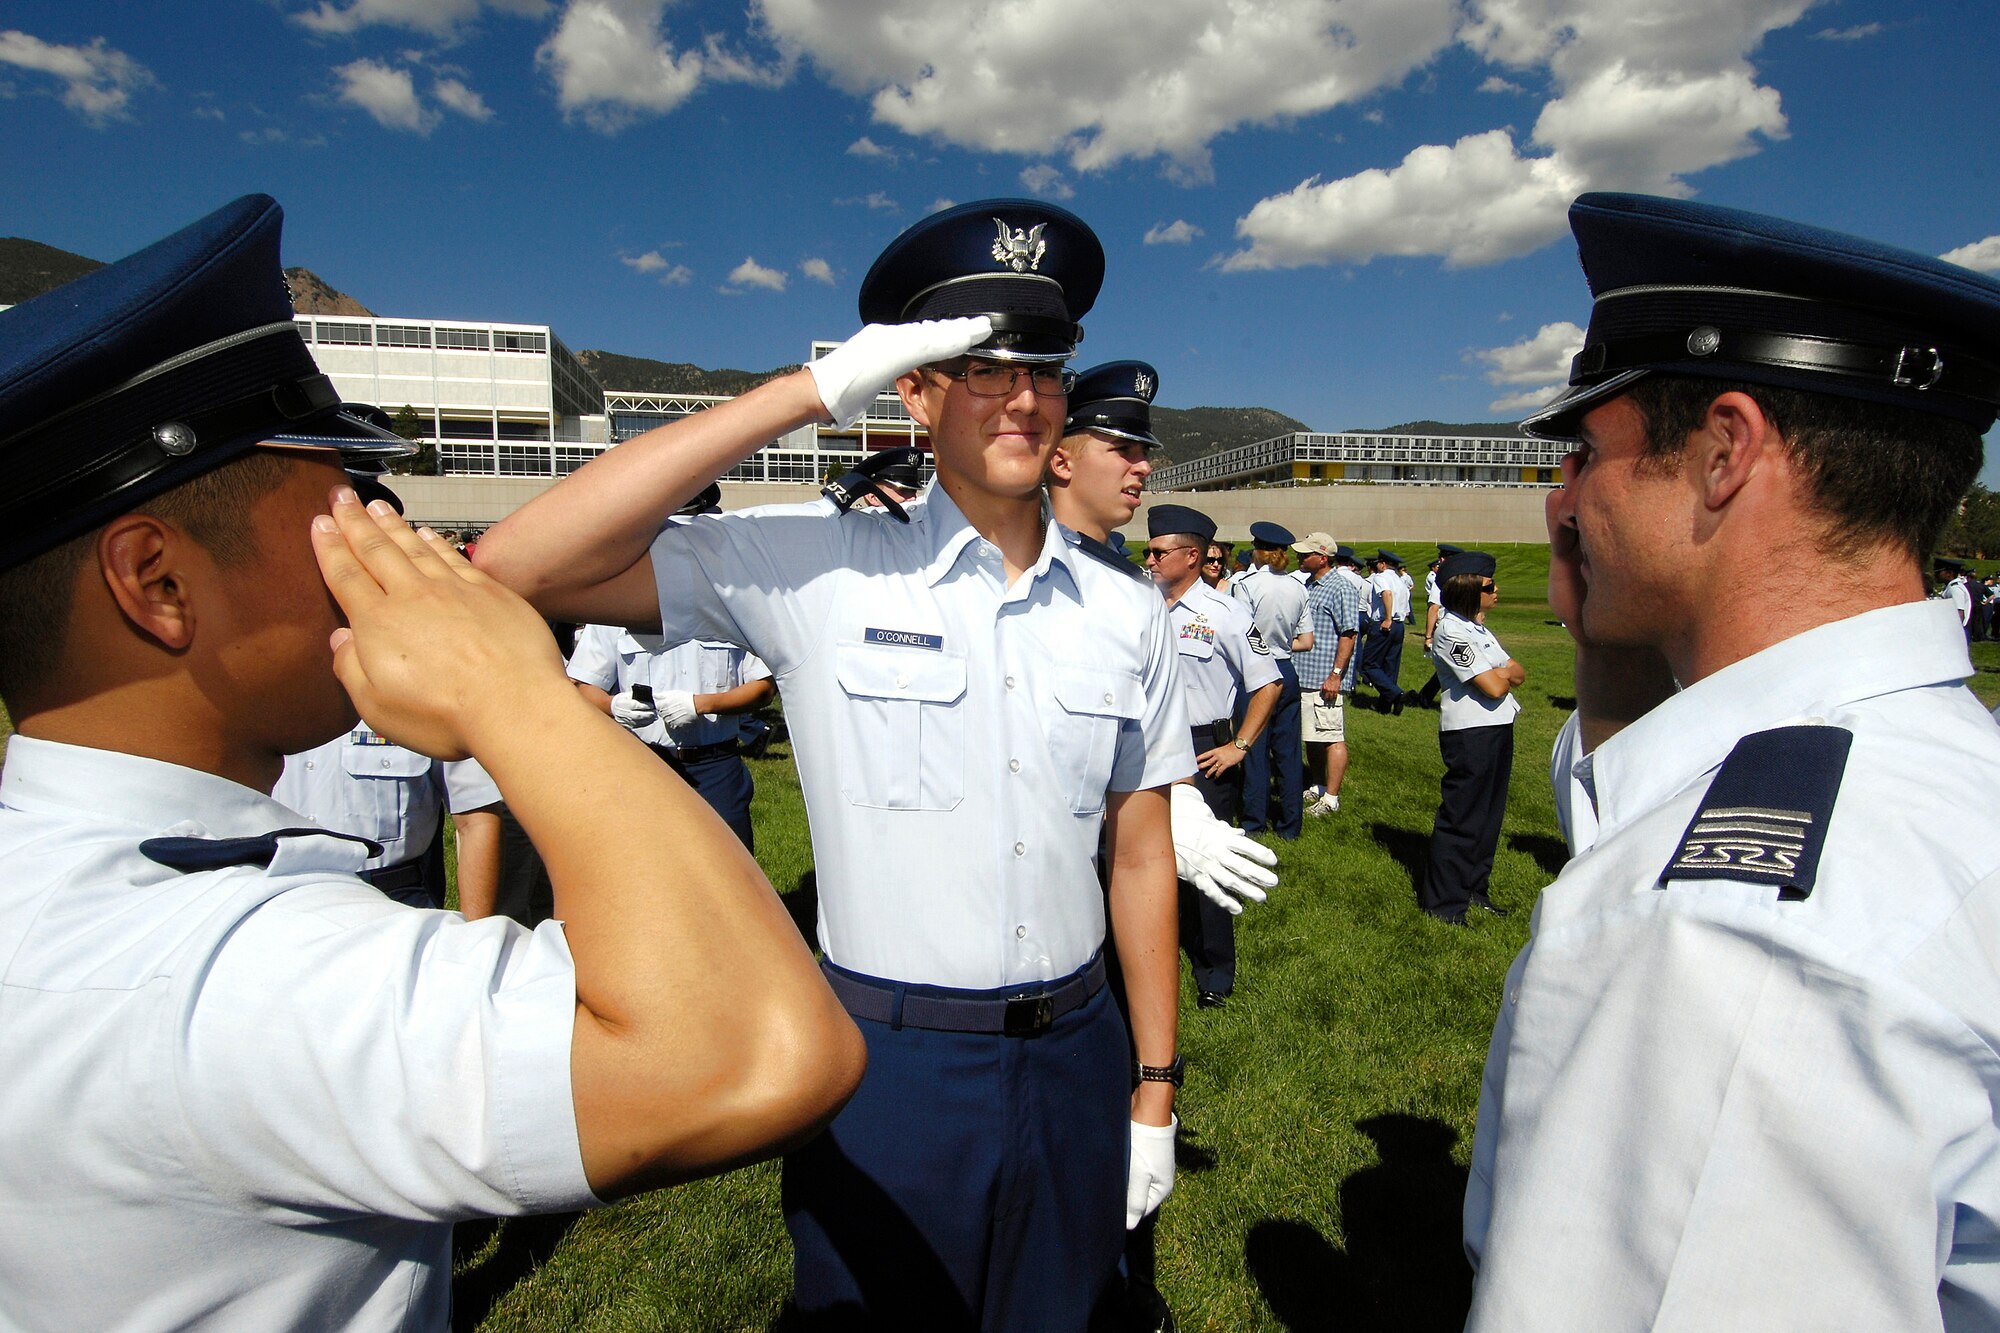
{"type": "Point", "coordinates": [1302, 471]}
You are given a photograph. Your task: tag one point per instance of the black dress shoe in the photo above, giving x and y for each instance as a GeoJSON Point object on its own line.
{"type": "Point", "coordinates": [1209, 999]}
{"type": "Point", "coordinates": [1396, 706]}
{"type": "Point", "coordinates": [1488, 906]}
{"type": "Point", "coordinates": [1442, 919]}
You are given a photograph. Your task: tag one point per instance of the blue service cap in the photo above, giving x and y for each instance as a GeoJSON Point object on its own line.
{"type": "Point", "coordinates": [1446, 548]}
{"type": "Point", "coordinates": [1033, 268]}
{"type": "Point", "coordinates": [154, 370]}
{"type": "Point", "coordinates": [1114, 399]}
{"type": "Point", "coordinates": [1270, 536]}
{"type": "Point", "coordinates": [1466, 562]}
{"type": "Point", "coordinates": [1388, 556]}
{"type": "Point", "coordinates": [1694, 289]}
{"type": "Point", "coordinates": [1347, 554]}
{"type": "Point", "coordinates": [1179, 520]}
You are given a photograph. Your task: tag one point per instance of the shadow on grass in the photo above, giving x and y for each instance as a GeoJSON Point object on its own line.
{"type": "Point", "coordinates": [1407, 847]}
{"type": "Point", "coordinates": [524, 1244]}
{"type": "Point", "coordinates": [802, 903]}
{"type": "Point", "coordinates": [1403, 1267]}
{"type": "Point", "coordinates": [1551, 854]}
{"type": "Point", "coordinates": [1566, 702]}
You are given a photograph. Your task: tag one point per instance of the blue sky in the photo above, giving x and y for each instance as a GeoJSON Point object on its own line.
{"type": "Point", "coordinates": [1348, 210]}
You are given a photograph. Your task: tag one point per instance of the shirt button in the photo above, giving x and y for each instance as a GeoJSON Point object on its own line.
{"type": "Point", "coordinates": [1020, 849]}
{"type": "Point", "coordinates": [1107, 698]}
{"type": "Point", "coordinates": [902, 682]}
{"type": "Point", "coordinates": [385, 763]}
{"type": "Point", "coordinates": [1013, 766]}
{"type": "Point", "coordinates": [1010, 682]}
{"type": "Point", "coordinates": [1020, 932]}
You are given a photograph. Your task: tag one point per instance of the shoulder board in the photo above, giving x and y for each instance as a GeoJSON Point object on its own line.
{"type": "Point", "coordinates": [1764, 818]}
{"type": "Point", "coordinates": [186, 854]}
{"type": "Point", "coordinates": [1091, 546]}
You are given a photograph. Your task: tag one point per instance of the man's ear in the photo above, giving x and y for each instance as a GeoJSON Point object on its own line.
{"type": "Point", "coordinates": [1062, 467]}
{"type": "Point", "coordinates": [1728, 446]}
{"type": "Point", "coordinates": [141, 559]}
{"type": "Point", "coordinates": [910, 388]}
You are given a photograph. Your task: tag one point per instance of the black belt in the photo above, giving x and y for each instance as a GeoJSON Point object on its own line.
{"type": "Point", "coordinates": [695, 754]}
{"type": "Point", "coordinates": [1022, 1015]}
{"type": "Point", "coordinates": [1211, 734]}
{"type": "Point", "coordinates": [403, 875]}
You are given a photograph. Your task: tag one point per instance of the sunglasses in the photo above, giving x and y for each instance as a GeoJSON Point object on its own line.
{"type": "Point", "coordinates": [1162, 552]}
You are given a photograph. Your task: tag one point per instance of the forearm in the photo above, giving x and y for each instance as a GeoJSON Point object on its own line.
{"type": "Point", "coordinates": [1257, 713]}
{"type": "Point", "coordinates": [478, 833]}
{"type": "Point", "coordinates": [745, 698]}
{"type": "Point", "coordinates": [597, 523]}
{"type": "Point", "coordinates": [1341, 657]}
{"type": "Point", "coordinates": [1144, 924]}
{"type": "Point", "coordinates": [595, 697]}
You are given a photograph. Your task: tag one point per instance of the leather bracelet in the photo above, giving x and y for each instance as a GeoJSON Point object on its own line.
{"type": "Point", "coordinates": [1173, 1073]}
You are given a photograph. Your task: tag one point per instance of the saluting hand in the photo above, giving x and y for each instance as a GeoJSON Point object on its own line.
{"type": "Point", "coordinates": [434, 650]}
{"type": "Point", "coordinates": [849, 377]}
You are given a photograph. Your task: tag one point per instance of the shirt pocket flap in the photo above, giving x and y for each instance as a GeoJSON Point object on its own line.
{"type": "Point", "coordinates": [384, 761]}
{"type": "Point", "coordinates": [1200, 649]}
{"type": "Point", "coordinates": [893, 673]}
{"type": "Point", "coordinates": [1100, 693]}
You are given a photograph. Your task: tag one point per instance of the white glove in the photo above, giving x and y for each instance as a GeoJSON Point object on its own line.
{"type": "Point", "coordinates": [1215, 857]}
{"type": "Point", "coordinates": [1149, 1175]}
{"type": "Point", "coordinates": [676, 708]}
{"type": "Point", "coordinates": [631, 713]}
{"type": "Point", "coordinates": [849, 377]}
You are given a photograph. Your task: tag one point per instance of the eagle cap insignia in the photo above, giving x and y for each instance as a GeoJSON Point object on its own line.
{"type": "Point", "coordinates": [1020, 250]}
{"type": "Point", "coordinates": [1142, 384]}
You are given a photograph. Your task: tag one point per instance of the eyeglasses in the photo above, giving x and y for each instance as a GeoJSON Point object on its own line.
{"type": "Point", "coordinates": [1162, 552]}
{"type": "Point", "coordinates": [1489, 588]}
{"type": "Point", "coordinates": [1212, 560]}
{"type": "Point", "coordinates": [991, 379]}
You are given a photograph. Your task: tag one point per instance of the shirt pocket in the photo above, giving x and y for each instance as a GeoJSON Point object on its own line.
{"type": "Point", "coordinates": [902, 727]}
{"type": "Point", "coordinates": [1093, 707]}
{"type": "Point", "coordinates": [384, 761]}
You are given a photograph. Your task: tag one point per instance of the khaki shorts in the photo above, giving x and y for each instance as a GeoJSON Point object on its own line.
{"type": "Point", "coordinates": [1324, 723]}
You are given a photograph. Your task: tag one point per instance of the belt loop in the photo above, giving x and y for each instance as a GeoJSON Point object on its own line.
{"type": "Point", "coordinates": [896, 1008]}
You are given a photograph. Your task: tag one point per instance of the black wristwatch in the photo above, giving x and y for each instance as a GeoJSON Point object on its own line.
{"type": "Point", "coordinates": [1173, 1073]}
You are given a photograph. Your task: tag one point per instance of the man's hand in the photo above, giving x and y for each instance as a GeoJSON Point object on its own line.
{"type": "Point", "coordinates": [676, 708]}
{"type": "Point", "coordinates": [434, 651]}
{"type": "Point", "coordinates": [1149, 1176]}
{"type": "Point", "coordinates": [1566, 586]}
{"type": "Point", "coordinates": [852, 374]}
{"type": "Point", "coordinates": [632, 713]}
{"type": "Point", "coordinates": [1214, 763]}
{"type": "Point", "coordinates": [1214, 857]}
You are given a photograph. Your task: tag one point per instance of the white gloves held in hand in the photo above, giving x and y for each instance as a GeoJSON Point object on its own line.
{"type": "Point", "coordinates": [631, 713]}
{"type": "Point", "coordinates": [849, 377]}
{"type": "Point", "coordinates": [1149, 1174]}
{"type": "Point", "coordinates": [1218, 859]}
{"type": "Point", "coordinates": [676, 708]}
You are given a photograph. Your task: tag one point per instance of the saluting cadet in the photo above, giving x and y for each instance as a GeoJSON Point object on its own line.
{"type": "Point", "coordinates": [971, 699]}
{"type": "Point", "coordinates": [685, 701]}
{"type": "Point", "coordinates": [1475, 737]}
{"type": "Point", "coordinates": [1222, 664]}
{"type": "Point", "coordinates": [1324, 670]}
{"type": "Point", "coordinates": [1278, 611]}
{"type": "Point", "coordinates": [1744, 1073]}
{"type": "Point", "coordinates": [243, 1088]}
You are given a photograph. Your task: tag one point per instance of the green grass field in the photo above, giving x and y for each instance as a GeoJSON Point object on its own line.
{"type": "Point", "coordinates": [1329, 1107]}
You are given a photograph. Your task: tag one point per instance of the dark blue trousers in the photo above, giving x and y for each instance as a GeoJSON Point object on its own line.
{"type": "Point", "coordinates": [974, 1182]}
{"type": "Point", "coordinates": [724, 782]}
{"type": "Point", "coordinates": [1277, 753]}
{"type": "Point", "coordinates": [1382, 664]}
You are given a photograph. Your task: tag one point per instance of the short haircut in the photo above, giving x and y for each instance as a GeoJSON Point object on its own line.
{"type": "Point", "coordinates": [1460, 594]}
{"type": "Point", "coordinates": [36, 596]}
{"type": "Point", "coordinates": [1876, 473]}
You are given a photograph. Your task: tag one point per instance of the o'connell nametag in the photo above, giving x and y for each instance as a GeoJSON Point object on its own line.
{"type": "Point", "coordinates": [1764, 818]}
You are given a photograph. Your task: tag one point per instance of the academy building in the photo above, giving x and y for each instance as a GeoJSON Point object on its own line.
{"type": "Point", "coordinates": [1303, 458]}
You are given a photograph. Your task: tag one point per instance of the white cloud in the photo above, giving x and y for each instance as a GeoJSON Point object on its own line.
{"type": "Point", "coordinates": [455, 95]}
{"type": "Point", "coordinates": [98, 80]}
{"type": "Point", "coordinates": [214, 113]}
{"type": "Point", "coordinates": [611, 63]}
{"type": "Point", "coordinates": [1981, 255]}
{"type": "Point", "coordinates": [1496, 84]}
{"type": "Point", "coordinates": [1046, 180]}
{"type": "Point", "coordinates": [818, 270]}
{"type": "Point", "coordinates": [386, 93]}
{"type": "Point", "coordinates": [439, 18]}
{"type": "Point", "coordinates": [940, 204]}
{"type": "Point", "coordinates": [1032, 76]}
{"type": "Point", "coordinates": [390, 95]}
{"type": "Point", "coordinates": [1646, 96]}
{"type": "Point", "coordinates": [1541, 362]}
{"type": "Point", "coordinates": [1860, 32]}
{"type": "Point", "coordinates": [868, 148]}
{"type": "Point", "coordinates": [1178, 232]}
{"type": "Point", "coordinates": [875, 201]}
{"type": "Point", "coordinates": [650, 262]}
{"type": "Point", "coordinates": [750, 273]}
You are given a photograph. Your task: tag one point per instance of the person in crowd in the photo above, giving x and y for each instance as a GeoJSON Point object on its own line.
{"type": "Point", "coordinates": [243, 1086]}
{"type": "Point", "coordinates": [1476, 737]}
{"type": "Point", "coordinates": [1335, 606]}
{"type": "Point", "coordinates": [1733, 1082]}
{"type": "Point", "coordinates": [1215, 566]}
{"type": "Point", "coordinates": [1427, 695]}
{"type": "Point", "coordinates": [1274, 768]}
{"type": "Point", "coordinates": [970, 690]}
{"type": "Point", "coordinates": [1387, 614]}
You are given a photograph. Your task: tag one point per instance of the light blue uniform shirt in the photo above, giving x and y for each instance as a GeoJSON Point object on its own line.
{"type": "Point", "coordinates": [1220, 661]}
{"type": "Point", "coordinates": [614, 660]}
{"type": "Point", "coordinates": [1277, 607]}
{"type": "Point", "coordinates": [364, 784]}
{"type": "Point", "coordinates": [955, 737]}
